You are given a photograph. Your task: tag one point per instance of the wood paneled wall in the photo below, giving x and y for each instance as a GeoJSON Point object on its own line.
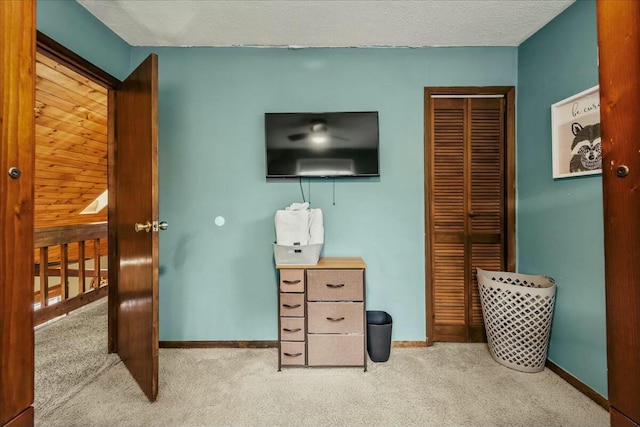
{"type": "Point", "coordinates": [71, 145]}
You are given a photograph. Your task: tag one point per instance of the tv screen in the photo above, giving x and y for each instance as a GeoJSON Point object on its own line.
{"type": "Point", "coordinates": [322, 144]}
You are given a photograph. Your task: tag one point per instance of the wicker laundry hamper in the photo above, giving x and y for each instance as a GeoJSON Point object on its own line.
{"type": "Point", "coordinates": [517, 311]}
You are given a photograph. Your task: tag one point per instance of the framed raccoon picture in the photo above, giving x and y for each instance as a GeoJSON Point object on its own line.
{"type": "Point", "coordinates": [575, 139]}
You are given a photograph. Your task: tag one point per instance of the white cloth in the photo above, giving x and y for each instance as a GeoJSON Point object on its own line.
{"type": "Point", "coordinates": [316, 227]}
{"type": "Point", "coordinates": [297, 207]}
{"type": "Point", "coordinates": [292, 227]}
{"type": "Point", "coordinates": [299, 225]}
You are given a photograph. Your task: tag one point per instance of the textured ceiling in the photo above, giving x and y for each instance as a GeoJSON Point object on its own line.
{"type": "Point", "coordinates": [332, 23]}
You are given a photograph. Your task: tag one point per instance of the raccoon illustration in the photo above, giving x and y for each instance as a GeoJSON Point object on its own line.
{"type": "Point", "coordinates": [586, 149]}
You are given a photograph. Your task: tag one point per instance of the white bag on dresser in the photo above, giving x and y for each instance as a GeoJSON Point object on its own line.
{"type": "Point", "coordinates": [316, 227]}
{"type": "Point", "coordinates": [299, 235]}
{"type": "Point", "coordinates": [292, 227]}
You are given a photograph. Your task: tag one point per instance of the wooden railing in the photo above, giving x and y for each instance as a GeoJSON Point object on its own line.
{"type": "Point", "coordinates": [63, 252]}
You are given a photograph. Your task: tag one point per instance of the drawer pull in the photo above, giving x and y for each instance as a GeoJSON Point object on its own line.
{"type": "Point", "coordinates": [336, 285]}
{"type": "Point", "coordinates": [335, 319]}
{"type": "Point", "coordinates": [291, 305]}
{"type": "Point", "coordinates": [291, 330]}
{"type": "Point", "coordinates": [293, 354]}
{"type": "Point", "coordinates": [291, 282]}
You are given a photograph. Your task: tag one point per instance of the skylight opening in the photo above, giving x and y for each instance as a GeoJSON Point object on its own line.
{"type": "Point", "coordinates": [97, 205]}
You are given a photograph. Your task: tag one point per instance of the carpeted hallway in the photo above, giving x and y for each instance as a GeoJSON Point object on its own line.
{"type": "Point", "coordinates": [444, 385]}
{"type": "Point", "coordinates": [70, 353]}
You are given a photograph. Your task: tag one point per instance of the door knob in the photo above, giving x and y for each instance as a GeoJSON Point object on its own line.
{"type": "Point", "coordinates": [142, 227]}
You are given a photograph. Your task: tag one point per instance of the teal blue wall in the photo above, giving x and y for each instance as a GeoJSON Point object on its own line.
{"type": "Point", "coordinates": [219, 283]}
{"type": "Point", "coordinates": [75, 28]}
{"type": "Point", "coordinates": [560, 224]}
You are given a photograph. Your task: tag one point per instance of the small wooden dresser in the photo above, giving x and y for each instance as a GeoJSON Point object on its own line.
{"type": "Point", "coordinates": [322, 315]}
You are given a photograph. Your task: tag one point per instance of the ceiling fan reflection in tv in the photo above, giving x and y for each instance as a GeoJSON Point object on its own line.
{"type": "Point", "coordinates": [318, 133]}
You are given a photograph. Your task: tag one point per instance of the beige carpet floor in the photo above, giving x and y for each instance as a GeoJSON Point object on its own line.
{"type": "Point", "coordinates": [444, 385]}
{"type": "Point", "coordinates": [69, 354]}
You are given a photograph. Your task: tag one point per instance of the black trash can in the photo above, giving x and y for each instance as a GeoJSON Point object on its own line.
{"type": "Point", "coordinates": [379, 335]}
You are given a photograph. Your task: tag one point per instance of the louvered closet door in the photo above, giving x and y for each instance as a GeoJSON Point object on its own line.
{"type": "Point", "coordinates": [448, 218]}
{"type": "Point", "coordinates": [486, 201]}
{"type": "Point", "coordinates": [467, 209]}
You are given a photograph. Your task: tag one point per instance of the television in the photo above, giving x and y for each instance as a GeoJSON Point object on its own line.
{"type": "Point", "coordinates": [337, 144]}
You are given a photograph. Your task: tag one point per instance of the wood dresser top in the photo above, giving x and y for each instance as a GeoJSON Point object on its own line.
{"type": "Point", "coordinates": [331, 262]}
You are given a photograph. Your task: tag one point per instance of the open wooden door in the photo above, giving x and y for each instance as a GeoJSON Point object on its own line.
{"type": "Point", "coordinates": [17, 162]}
{"type": "Point", "coordinates": [619, 57]}
{"type": "Point", "coordinates": [136, 223]}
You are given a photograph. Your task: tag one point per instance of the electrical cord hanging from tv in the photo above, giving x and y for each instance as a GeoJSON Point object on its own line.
{"type": "Point", "coordinates": [333, 179]}
{"type": "Point", "coordinates": [302, 190]}
{"type": "Point", "coordinates": [334, 191]}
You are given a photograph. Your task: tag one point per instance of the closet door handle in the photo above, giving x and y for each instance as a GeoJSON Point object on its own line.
{"type": "Point", "coordinates": [291, 305]}
{"type": "Point", "coordinates": [335, 319]}
{"type": "Point", "coordinates": [293, 354]}
{"type": "Point", "coordinates": [337, 285]}
{"type": "Point", "coordinates": [291, 282]}
{"type": "Point", "coordinates": [291, 330]}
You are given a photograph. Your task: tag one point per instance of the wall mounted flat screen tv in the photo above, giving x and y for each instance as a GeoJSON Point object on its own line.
{"type": "Point", "coordinates": [322, 144]}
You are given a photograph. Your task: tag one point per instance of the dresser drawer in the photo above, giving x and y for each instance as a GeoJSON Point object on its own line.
{"type": "Point", "coordinates": [292, 328]}
{"type": "Point", "coordinates": [292, 353]}
{"type": "Point", "coordinates": [336, 317]}
{"type": "Point", "coordinates": [292, 305]}
{"type": "Point", "coordinates": [335, 285]}
{"type": "Point", "coordinates": [291, 280]}
{"type": "Point", "coordinates": [336, 350]}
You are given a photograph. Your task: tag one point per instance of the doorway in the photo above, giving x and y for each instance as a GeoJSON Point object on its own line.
{"type": "Point", "coordinates": [133, 292]}
{"type": "Point", "coordinates": [469, 203]}
{"type": "Point", "coordinates": [70, 236]}
{"type": "Point", "coordinates": [132, 231]}
{"type": "Point", "coordinates": [71, 197]}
